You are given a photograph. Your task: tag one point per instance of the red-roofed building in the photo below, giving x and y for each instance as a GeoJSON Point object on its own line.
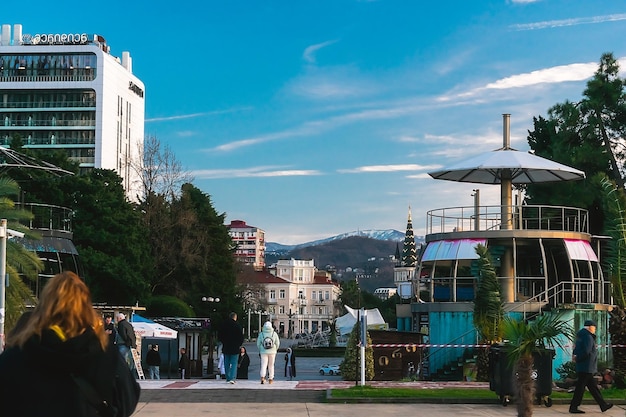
{"type": "Point", "coordinates": [250, 243]}
{"type": "Point", "coordinates": [295, 295]}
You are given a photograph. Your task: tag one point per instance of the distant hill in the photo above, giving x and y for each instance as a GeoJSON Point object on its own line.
{"type": "Point", "coordinates": [388, 234]}
{"type": "Point", "coordinates": [346, 253]}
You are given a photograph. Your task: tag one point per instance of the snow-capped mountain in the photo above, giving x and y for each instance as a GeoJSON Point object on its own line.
{"type": "Point", "coordinates": [389, 234]}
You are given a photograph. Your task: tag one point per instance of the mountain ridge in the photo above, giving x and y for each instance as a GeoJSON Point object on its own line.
{"type": "Point", "coordinates": [385, 234]}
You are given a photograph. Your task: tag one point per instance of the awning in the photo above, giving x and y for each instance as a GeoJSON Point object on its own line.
{"type": "Point", "coordinates": [147, 328]}
{"type": "Point", "coordinates": [580, 250]}
{"type": "Point", "coordinates": [452, 249]}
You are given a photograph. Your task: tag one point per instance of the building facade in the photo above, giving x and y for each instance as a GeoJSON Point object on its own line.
{"type": "Point", "coordinates": [250, 243]}
{"type": "Point", "coordinates": [68, 92]}
{"type": "Point", "coordinates": [296, 297]}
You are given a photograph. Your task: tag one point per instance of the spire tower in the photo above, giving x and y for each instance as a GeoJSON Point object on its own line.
{"type": "Point", "coordinates": [409, 252]}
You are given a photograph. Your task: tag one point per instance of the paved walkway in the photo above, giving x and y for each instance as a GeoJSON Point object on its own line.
{"type": "Point", "coordinates": [306, 397]}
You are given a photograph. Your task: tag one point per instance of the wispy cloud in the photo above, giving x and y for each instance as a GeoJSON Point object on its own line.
{"type": "Point", "coordinates": [194, 115]}
{"type": "Point", "coordinates": [386, 168]}
{"type": "Point", "coordinates": [252, 172]}
{"type": "Point", "coordinates": [558, 74]}
{"type": "Point", "coordinates": [404, 107]}
{"type": "Point", "coordinates": [549, 24]}
{"type": "Point", "coordinates": [309, 52]}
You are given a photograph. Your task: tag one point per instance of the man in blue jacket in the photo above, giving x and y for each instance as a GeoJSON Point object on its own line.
{"type": "Point", "coordinates": [586, 358]}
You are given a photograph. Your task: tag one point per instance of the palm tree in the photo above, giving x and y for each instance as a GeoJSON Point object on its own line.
{"type": "Point", "coordinates": [488, 310]}
{"type": "Point", "coordinates": [20, 262]}
{"type": "Point", "coordinates": [522, 340]}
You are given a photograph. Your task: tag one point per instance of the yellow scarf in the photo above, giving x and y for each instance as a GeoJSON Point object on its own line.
{"type": "Point", "coordinates": [59, 332]}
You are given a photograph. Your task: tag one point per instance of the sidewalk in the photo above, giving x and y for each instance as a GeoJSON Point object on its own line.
{"type": "Point", "coordinates": [193, 398]}
{"type": "Point", "coordinates": [276, 402]}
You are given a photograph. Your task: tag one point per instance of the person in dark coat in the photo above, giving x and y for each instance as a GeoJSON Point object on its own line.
{"type": "Point", "coordinates": [231, 336]}
{"type": "Point", "coordinates": [290, 364]}
{"type": "Point", "coordinates": [243, 363]}
{"type": "Point", "coordinates": [62, 343]}
{"type": "Point", "coordinates": [183, 364]}
{"type": "Point", "coordinates": [126, 339]}
{"type": "Point", "coordinates": [109, 328]}
{"type": "Point", "coordinates": [153, 360]}
{"type": "Point", "coordinates": [586, 358]}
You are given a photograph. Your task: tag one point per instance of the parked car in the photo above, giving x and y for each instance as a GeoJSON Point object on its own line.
{"type": "Point", "coordinates": [327, 369]}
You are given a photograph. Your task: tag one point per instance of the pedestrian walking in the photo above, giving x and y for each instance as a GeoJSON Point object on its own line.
{"type": "Point", "coordinates": [243, 363]}
{"type": "Point", "coordinates": [290, 364]}
{"type": "Point", "coordinates": [231, 336]}
{"type": "Point", "coordinates": [586, 358]}
{"type": "Point", "coordinates": [268, 343]}
{"type": "Point", "coordinates": [220, 365]}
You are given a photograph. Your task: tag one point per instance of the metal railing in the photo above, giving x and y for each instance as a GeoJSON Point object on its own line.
{"type": "Point", "coordinates": [49, 217]}
{"type": "Point", "coordinates": [525, 217]}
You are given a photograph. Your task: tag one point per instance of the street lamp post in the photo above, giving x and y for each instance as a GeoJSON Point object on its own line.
{"type": "Point", "coordinates": [209, 365]}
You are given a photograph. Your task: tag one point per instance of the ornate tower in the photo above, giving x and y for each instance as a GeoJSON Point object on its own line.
{"type": "Point", "coordinates": [409, 252]}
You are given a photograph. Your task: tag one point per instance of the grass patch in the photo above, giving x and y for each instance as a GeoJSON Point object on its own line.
{"type": "Point", "coordinates": [445, 393]}
{"type": "Point", "coordinates": [393, 392]}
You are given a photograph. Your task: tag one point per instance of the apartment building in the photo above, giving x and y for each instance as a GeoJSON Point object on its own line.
{"type": "Point", "coordinates": [250, 243]}
{"type": "Point", "coordinates": [68, 92]}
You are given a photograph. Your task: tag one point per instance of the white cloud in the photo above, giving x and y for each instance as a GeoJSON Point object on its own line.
{"type": "Point", "coordinates": [570, 22]}
{"type": "Point", "coordinates": [194, 115]}
{"type": "Point", "coordinates": [309, 52]}
{"type": "Point", "coordinates": [252, 172]}
{"type": "Point", "coordinates": [387, 168]}
{"type": "Point", "coordinates": [558, 74]}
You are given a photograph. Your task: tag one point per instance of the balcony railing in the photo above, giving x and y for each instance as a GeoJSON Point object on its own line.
{"type": "Point", "coordinates": [525, 217]}
{"type": "Point", "coordinates": [49, 217]}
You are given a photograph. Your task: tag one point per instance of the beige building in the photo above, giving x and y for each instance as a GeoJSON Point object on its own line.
{"type": "Point", "coordinates": [295, 297]}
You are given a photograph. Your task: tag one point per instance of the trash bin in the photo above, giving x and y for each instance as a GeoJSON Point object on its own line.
{"type": "Point", "coordinates": [543, 379]}
{"type": "Point", "coordinates": [502, 376]}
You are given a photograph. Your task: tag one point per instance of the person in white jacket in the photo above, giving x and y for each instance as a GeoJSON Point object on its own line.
{"type": "Point", "coordinates": [268, 343]}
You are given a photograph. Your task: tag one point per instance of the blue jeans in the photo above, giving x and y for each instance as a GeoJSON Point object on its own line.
{"type": "Point", "coordinates": [125, 352]}
{"type": "Point", "coordinates": [230, 366]}
{"type": "Point", "coordinates": [154, 372]}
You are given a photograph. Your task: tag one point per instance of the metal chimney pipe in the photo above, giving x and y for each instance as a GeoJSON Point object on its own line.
{"type": "Point", "coordinates": [506, 130]}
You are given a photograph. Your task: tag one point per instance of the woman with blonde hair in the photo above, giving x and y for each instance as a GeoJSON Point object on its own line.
{"type": "Point", "coordinates": [60, 363]}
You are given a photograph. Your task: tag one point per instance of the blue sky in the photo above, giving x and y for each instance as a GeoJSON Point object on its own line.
{"type": "Point", "coordinates": [313, 118]}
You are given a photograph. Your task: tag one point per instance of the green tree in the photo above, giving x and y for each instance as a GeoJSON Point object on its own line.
{"type": "Point", "coordinates": [586, 135]}
{"type": "Point", "coordinates": [351, 364]}
{"type": "Point", "coordinates": [523, 340]}
{"type": "Point", "coordinates": [488, 310]}
{"type": "Point", "coordinates": [22, 265]}
{"type": "Point", "coordinates": [615, 269]}
{"type": "Point", "coordinates": [109, 237]}
{"type": "Point", "coordinates": [207, 263]}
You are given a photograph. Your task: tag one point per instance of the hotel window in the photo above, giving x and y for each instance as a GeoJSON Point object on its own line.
{"type": "Point", "coordinates": [272, 294]}
{"type": "Point", "coordinates": [327, 295]}
{"type": "Point", "coordinates": [281, 309]}
{"type": "Point", "coordinates": [281, 294]}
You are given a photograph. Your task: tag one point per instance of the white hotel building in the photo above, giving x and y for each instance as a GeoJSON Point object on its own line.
{"type": "Point", "coordinates": [67, 92]}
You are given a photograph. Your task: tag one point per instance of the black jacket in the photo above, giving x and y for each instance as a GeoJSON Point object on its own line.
{"type": "Point", "coordinates": [153, 358]}
{"type": "Point", "coordinates": [231, 336]}
{"type": "Point", "coordinates": [38, 378]}
{"type": "Point", "coordinates": [127, 333]}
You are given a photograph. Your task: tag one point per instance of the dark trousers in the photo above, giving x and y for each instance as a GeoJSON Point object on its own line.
{"type": "Point", "coordinates": [586, 379]}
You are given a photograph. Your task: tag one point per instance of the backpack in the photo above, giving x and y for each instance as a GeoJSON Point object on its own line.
{"type": "Point", "coordinates": [268, 342]}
